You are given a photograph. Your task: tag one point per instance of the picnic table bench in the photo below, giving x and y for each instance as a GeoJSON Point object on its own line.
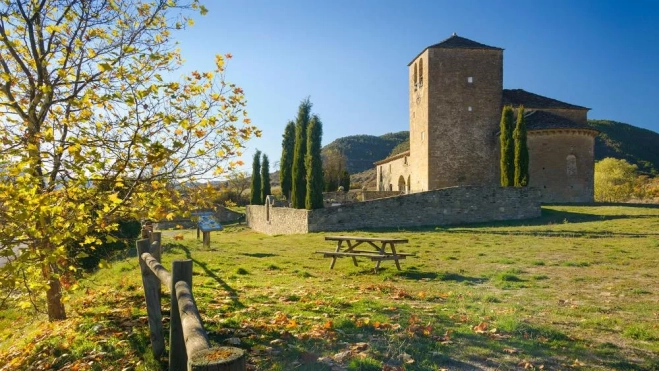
{"type": "Point", "coordinates": [346, 247]}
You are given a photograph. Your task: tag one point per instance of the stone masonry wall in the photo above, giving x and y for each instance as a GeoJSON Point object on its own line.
{"type": "Point", "coordinates": [446, 206]}
{"type": "Point", "coordinates": [277, 220]}
{"type": "Point", "coordinates": [375, 195]}
{"type": "Point", "coordinates": [394, 175]}
{"type": "Point", "coordinates": [550, 155]}
{"type": "Point", "coordinates": [465, 89]}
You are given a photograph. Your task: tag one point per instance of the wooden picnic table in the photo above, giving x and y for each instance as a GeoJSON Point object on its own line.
{"type": "Point", "coordinates": [383, 249]}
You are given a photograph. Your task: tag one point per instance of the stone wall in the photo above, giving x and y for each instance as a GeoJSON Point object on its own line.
{"type": "Point", "coordinates": [562, 164]}
{"type": "Point", "coordinates": [464, 109]}
{"type": "Point", "coordinates": [376, 195]}
{"type": "Point", "coordinates": [456, 205]}
{"type": "Point", "coordinates": [277, 220]}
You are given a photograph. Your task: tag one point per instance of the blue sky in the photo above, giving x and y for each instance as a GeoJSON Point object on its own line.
{"type": "Point", "coordinates": [350, 56]}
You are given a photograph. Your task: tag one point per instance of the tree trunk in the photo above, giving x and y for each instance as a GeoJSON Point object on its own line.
{"type": "Point", "coordinates": [56, 310]}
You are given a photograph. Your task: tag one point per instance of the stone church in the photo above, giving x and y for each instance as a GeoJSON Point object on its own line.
{"type": "Point", "coordinates": [456, 97]}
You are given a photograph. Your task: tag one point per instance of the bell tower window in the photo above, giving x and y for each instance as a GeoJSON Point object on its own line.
{"type": "Point", "coordinates": [420, 72]}
{"type": "Point", "coordinates": [415, 76]}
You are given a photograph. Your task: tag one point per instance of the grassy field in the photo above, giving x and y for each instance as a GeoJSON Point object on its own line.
{"type": "Point", "coordinates": [577, 288]}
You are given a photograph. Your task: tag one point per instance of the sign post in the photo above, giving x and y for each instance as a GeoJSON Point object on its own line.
{"type": "Point", "coordinates": [206, 223]}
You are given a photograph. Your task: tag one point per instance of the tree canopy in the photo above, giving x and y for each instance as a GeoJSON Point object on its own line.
{"type": "Point", "coordinates": [255, 195]}
{"type": "Point", "coordinates": [614, 180]}
{"type": "Point", "coordinates": [521, 150]}
{"type": "Point", "coordinates": [94, 130]}
{"type": "Point", "coordinates": [299, 173]}
{"type": "Point", "coordinates": [314, 165]}
{"type": "Point", "coordinates": [507, 161]}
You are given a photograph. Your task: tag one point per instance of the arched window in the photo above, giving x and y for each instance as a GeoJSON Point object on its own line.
{"type": "Point", "coordinates": [414, 76]}
{"type": "Point", "coordinates": [421, 72]}
{"type": "Point", "coordinates": [409, 184]}
{"type": "Point", "coordinates": [401, 183]}
{"type": "Point", "coordinates": [571, 165]}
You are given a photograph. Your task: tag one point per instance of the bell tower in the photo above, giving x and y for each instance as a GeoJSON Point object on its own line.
{"type": "Point", "coordinates": [455, 106]}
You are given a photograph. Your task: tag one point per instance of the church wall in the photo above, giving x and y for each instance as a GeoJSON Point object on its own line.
{"type": "Point", "coordinates": [463, 116]}
{"type": "Point", "coordinates": [559, 178]}
{"type": "Point", "coordinates": [418, 104]}
{"type": "Point", "coordinates": [389, 174]}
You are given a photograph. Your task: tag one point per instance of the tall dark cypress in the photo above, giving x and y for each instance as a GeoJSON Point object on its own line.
{"type": "Point", "coordinates": [507, 147]}
{"type": "Point", "coordinates": [265, 178]}
{"type": "Point", "coordinates": [286, 162]}
{"type": "Point", "coordinates": [345, 180]}
{"type": "Point", "coordinates": [299, 188]}
{"type": "Point", "coordinates": [521, 151]}
{"type": "Point", "coordinates": [255, 192]}
{"type": "Point", "coordinates": [314, 165]}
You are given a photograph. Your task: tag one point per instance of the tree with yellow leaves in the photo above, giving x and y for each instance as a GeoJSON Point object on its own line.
{"type": "Point", "coordinates": [92, 131]}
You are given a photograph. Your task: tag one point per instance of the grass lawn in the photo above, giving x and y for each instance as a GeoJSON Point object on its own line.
{"type": "Point", "coordinates": [577, 288]}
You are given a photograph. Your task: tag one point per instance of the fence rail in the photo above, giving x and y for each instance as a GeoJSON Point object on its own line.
{"type": "Point", "coordinates": [189, 347]}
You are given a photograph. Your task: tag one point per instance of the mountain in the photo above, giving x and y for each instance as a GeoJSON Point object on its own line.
{"type": "Point", "coordinates": [636, 145]}
{"type": "Point", "coordinates": [616, 139]}
{"type": "Point", "coordinates": [362, 150]}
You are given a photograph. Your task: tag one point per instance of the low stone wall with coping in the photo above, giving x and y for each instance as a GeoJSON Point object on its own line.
{"type": "Point", "coordinates": [447, 206]}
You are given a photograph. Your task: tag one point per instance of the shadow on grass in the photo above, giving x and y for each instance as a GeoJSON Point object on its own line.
{"type": "Point", "coordinates": [414, 274]}
{"type": "Point", "coordinates": [539, 344]}
{"type": "Point", "coordinates": [549, 217]}
{"type": "Point", "coordinates": [259, 255]}
{"type": "Point", "coordinates": [210, 273]}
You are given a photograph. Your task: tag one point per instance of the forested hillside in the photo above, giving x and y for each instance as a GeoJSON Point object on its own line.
{"type": "Point", "coordinates": [636, 145]}
{"type": "Point", "coordinates": [362, 150]}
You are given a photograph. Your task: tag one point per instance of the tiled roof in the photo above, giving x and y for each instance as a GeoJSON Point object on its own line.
{"type": "Point", "coordinates": [517, 97]}
{"type": "Point", "coordinates": [457, 42]}
{"type": "Point", "coordinates": [391, 158]}
{"type": "Point", "coordinates": [541, 120]}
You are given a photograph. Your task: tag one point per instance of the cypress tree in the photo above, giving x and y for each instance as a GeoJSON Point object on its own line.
{"type": "Point", "coordinates": [314, 165]}
{"type": "Point", "coordinates": [521, 151]}
{"type": "Point", "coordinates": [265, 178]}
{"type": "Point", "coordinates": [507, 163]}
{"type": "Point", "coordinates": [345, 180]}
{"type": "Point", "coordinates": [255, 192]}
{"type": "Point", "coordinates": [286, 162]}
{"type": "Point", "coordinates": [299, 186]}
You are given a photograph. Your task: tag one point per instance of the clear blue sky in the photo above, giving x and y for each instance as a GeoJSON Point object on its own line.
{"type": "Point", "coordinates": [350, 56]}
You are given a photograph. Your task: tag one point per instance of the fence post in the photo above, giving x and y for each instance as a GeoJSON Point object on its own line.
{"type": "Point", "coordinates": [178, 358]}
{"type": "Point", "coordinates": [156, 245]}
{"type": "Point", "coordinates": [219, 359]}
{"type": "Point", "coordinates": [152, 295]}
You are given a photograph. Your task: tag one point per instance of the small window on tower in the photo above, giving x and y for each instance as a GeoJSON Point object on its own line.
{"type": "Point", "coordinates": [423, 136]}
{"type": "Point", "coordinates": [421, 72]}
{"type": "Point", "coordinates": [470, 80]}
{"type": "Point", "coordinates": [414, 78]}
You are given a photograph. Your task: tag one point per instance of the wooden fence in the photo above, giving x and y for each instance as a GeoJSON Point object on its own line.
{"type": "Point", "coordinates": [189, 348]}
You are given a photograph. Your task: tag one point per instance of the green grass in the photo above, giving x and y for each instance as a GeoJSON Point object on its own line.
{"type": "Point", "coordinates": [576, 288]}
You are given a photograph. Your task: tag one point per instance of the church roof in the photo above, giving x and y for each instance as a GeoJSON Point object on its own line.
{"type": "Point", "coordinates": [542, 120]}
{"type": "Point", "coordinates": [520, 97]}
{"type": "Point", "coordinates": [456, 42]}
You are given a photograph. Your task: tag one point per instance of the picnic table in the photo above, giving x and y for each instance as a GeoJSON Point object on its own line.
{"type": "Point", "coordinates": [382, 249]}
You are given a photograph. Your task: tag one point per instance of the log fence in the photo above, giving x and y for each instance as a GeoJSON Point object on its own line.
{"type": "Point", "coordinates": [189, 347]}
